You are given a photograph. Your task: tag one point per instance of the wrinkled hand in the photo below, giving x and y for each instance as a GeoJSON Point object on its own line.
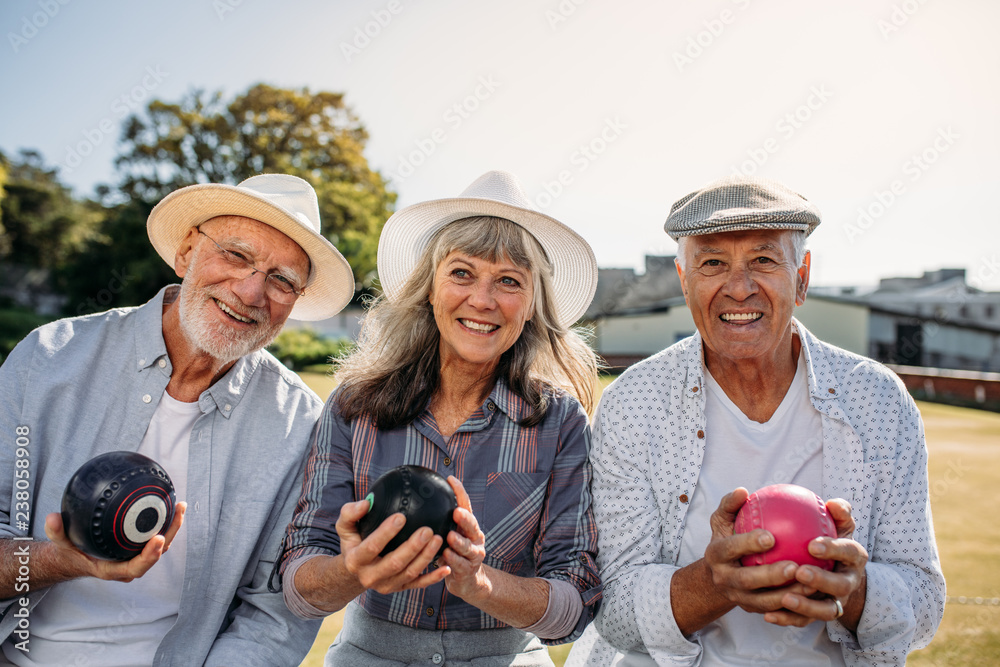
{"type": "Point", "coordinates": [400, 569]}
{"type": "Point", "coordinates": [74, 561]}
{"type": "Point", "coordinates": [846, 583]}
{"type": "Point", "coordinates": [758, 589]}
{"type": "Point", "coordinates": [466, 550]}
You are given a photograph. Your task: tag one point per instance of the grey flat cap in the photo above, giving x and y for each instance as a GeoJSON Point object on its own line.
{"type": "Point", "coordinates": [737, 203]}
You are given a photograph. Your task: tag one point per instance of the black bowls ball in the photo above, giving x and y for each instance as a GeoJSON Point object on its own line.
{"type": "Point", "coordinates": [423, 496]}
{"type": "Point", "coordinates": [115, 503]}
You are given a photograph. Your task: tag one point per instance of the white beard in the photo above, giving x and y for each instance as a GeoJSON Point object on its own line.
{"type": "Point", "coordinates": [224, 344]}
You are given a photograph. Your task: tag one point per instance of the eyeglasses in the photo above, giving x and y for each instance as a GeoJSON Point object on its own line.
{"type": "Point", "coordinates": [278, 287]}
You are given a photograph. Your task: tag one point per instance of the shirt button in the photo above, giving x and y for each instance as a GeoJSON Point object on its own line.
{"type": "Point", "coordinates": [694, 390]}
{"type": "Point", "coordinates": [491, 406]}
{"type": "Point", "coordinates": [437, 658]}
{"type": "Point", "coordinates": [147, 398]}
{"type": "Point", "coordinates": [832, 390]}
{"type": "Point", "coordinates": [142, 362]}
{"type": "Point", "coordinates": [228, 407]}
{"type": "Point", "coordinates": [683, 498]}
{"type": "Point", "coordinates": [162, 363]}
{"type": "Point", "coordinates": [430, 611]}
{"type": "Point", "coordinates": [701, 434]}
{"type": "Point", "coordinates": [447, 460]}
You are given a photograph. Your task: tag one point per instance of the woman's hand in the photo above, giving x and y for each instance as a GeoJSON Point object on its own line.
{"type": "Point", "coordinates": [466, 551]}
{"type": "Point", "coordinates": [398, 570]}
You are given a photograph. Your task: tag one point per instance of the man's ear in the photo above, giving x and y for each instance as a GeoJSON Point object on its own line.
{"type": "Point", "coordinates": [803, 281]}
{"type": "Point", "coordinates": [182, 258]}
{"type": "Point", "coordinates": [680, 274]}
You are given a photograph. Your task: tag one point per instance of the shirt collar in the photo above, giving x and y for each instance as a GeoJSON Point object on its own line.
{"type": "Point", "coordinates": [230, 389]}
{"type": "Point", "coordinates": [823, 384]}
{"type": "Point", "coordinates": [821, 381]}
{"type": "Point", "coordinates": [512, 405]}
{"type": "Point", "coordinates": [150, 347]}
{"type": "Point", "coordinates": [226, 393]}
{"type": "Point", "coordinates": [501, 399]}
{"type": "Point", "coordinates": [694, 371]}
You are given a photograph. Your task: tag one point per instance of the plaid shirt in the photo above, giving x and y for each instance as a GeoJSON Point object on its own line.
{"type": "Point", "coordinates": [529, 488]}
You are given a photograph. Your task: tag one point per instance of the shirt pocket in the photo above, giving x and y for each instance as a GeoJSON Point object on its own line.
{"type": "Point", "coordinates": [511, 515]}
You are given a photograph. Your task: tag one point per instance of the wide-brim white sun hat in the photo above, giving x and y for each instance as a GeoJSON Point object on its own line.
{"type": "Point", "coordinates": [287, 203]}
{"type": "Point", "coordinates": [498, 194]}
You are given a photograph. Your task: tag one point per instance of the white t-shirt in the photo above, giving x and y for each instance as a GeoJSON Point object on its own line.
{"type": "Point", "coordinates": [109, 623]}
{"type": "Point", "coordinates": [787, 449]}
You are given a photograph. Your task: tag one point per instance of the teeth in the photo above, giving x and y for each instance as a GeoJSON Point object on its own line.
{"type": "Point", "coordinates": [476, 326]}
{"type": "Point", "coordinates": [741, 317]}
{"type": "Point", "coordinates": [229, 311]}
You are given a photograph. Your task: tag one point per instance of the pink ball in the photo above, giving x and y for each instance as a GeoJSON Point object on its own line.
{"type": "Point", "coordinates": [794, 515]}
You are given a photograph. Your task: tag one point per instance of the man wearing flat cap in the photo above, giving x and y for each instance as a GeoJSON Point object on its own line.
{"type": "Point", "coordinates": [183, 380]}
{"type": "Point", "coordinates": [754, 399]}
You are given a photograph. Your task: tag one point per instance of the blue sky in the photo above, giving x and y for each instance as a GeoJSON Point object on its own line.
{"type": "Point", "coordinates": [882, 112]}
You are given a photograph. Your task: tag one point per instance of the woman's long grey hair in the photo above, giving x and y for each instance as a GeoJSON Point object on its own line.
{"type": "Point", "coordinates": [394, 370]}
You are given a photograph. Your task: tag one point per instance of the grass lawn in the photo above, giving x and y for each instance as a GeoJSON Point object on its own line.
{"type": "Point", "coordinates": [964, 447]}
{"type": "Point", "coordinates": [964, 450]}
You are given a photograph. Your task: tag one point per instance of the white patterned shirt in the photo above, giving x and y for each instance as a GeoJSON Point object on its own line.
{"type": "Point", "coordinates": [648, 446]}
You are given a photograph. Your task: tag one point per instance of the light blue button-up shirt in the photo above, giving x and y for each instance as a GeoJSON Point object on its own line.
{"type": "Point", "coordinates": [80, 387]}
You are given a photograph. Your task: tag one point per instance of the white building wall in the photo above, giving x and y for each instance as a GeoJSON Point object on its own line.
{"type": "Point", "coordinates": [842, 324]}
{"type": "Point", "coordinates": [643, 334]}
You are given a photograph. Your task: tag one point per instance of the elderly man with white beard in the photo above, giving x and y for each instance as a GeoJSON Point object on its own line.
{"type": "Point", "coordinates": [182, 379]}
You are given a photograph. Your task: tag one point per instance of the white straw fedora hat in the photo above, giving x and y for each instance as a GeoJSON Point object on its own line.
{"type": "Point", "coordinates": [287, 203]}
{"type": "Point", "coordinates": [496, 193]}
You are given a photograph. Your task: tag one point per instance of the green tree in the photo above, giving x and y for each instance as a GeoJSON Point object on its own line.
{"type": "Point", "coordinates": [204, 139]}
{"type": "Point", "coordinates": [42, 224]}
{"type": "Point", "coordinates": [118, 267]}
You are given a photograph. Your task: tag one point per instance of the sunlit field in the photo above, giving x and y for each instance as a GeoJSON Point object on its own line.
{"type": "Point", "coordinates": [964, 449]}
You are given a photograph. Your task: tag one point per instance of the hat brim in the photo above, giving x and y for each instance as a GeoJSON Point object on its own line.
{"type": "Point", "coordinates": [723, 228]}
{"type": "Point", "coordinates": [408, 232]}
{"type": "Point", "coordinates": [331, 281]}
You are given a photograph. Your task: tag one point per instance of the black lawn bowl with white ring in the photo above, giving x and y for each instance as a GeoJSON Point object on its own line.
{"type": "Point", "coordinates": [115, 503]}
{"type": "Point", "coordinates": [422, 495]}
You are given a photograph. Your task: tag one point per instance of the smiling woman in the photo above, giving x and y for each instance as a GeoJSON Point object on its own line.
{"type": "Point", "coordinates": [466, 366]}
